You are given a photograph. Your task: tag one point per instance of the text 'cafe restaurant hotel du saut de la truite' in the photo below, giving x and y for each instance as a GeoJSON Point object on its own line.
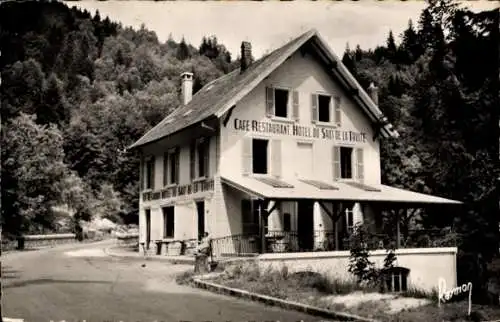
{"type": "Point", "coordinates": [280, 158]}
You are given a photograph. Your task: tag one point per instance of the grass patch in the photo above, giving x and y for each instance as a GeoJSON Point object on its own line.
{"type": "Point", "coordinates": [185, 278]}
{"type": "Point", "coordinates": [316, 289]}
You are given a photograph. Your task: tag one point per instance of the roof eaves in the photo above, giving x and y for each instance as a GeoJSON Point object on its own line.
{"type": "Point", "coordinates": [387, 130]}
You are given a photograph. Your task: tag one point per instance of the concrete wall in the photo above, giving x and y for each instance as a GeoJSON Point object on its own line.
{"type": "Point", "coordinates": [426, 265]}
{"type": "Point", "coordinates": [307, 76]}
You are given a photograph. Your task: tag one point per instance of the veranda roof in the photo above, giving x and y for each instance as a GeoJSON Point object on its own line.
{"type": "Point", "coordinates": [293, 189]}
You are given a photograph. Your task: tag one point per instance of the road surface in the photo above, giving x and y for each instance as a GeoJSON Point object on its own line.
{"type": "Point", "coordinates": [83, 283]}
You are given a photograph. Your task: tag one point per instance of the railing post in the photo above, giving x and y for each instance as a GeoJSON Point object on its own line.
{"type": "Point", "coordinates": [262, 230]}
{"type": "Point", "coordinates": [398, 230]}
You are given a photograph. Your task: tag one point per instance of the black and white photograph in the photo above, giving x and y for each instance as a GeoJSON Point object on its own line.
{"type": "Point", "coordinates": [250, 161]}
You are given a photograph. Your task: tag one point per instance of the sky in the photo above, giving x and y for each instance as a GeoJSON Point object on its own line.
{"type": "Point", "coordinates": [269, 24]}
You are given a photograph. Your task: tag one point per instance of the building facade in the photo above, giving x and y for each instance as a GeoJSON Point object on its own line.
{"type": "Point", "coordinates": [286, 144]}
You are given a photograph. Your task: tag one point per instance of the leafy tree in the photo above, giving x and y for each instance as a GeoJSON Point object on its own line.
{"type": "Point", "coordinates": [54, 108]}
{"type": "Point", "coordinates": [22, 88]}
{"type": "Point", "coordinates": [32, 173]}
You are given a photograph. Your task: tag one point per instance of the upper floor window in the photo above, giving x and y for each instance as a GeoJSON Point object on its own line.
{"type": "Point", "coordinates": [282, 103]}
{"type": "Point", "coordinates": [200, 154]}
{"type": "Point", "coordinates": [171, 167]}
{"type": "Point", "coordinates": [260, 156]}
{"type": "Point", "coordinates": [150, 173]}
{"type": "Point", "coordinates": [325, 109]}
{"type": "Point", "coordinates": [348, 163]}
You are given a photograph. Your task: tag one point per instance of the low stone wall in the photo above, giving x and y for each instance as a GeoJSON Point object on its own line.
{"type": "Point", "coordinates": [37, 241]}
{"type": "Point", "coordinates": [128, 239]}
{"type": "Point", "coordinates": [426, 265]}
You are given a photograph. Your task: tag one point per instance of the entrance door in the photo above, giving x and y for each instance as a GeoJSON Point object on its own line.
{"type": "Point", "coordinates": [148, 227]}
{"type": "Point", "coordinates": [305, 225]}
{"type": "Point", "coordinates": [200, 206]}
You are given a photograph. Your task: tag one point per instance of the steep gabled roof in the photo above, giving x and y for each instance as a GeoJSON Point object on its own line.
{"type": "Point", "coordinates": [217, 97]}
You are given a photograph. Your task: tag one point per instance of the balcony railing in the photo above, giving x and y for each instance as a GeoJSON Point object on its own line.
{"type": "Point", "coordinates": [179, 190]}
{"type": "Point", "coordinates": [323, 240]}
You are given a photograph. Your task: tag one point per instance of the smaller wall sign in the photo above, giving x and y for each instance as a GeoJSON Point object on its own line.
{"type": "Point", "coordinates": [446, 295]}
{"type": "Point", "coordinates": [299, 131]}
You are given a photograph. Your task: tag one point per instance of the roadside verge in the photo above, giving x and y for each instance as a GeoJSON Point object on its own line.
{"type": "Point", "coordinates": [289, 305]}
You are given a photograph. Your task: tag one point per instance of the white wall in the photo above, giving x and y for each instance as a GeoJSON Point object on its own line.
{"type": "Point", "coordinates": [426, 265]}
{"type": "Point", "coordinates": [306, 76]}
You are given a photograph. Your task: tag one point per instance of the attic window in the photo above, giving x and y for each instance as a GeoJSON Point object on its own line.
{"type": "Point", "coordinates": [209, 87]}
{"type": "Point", "coordinates": [187, 112]}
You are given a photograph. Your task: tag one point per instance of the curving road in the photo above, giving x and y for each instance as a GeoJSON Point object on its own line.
{"type": "Point", "coordinates": [76, 283]}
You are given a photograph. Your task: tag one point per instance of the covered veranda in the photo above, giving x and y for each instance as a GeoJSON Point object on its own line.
{"type": "Point", "coordinates": [382, 207]}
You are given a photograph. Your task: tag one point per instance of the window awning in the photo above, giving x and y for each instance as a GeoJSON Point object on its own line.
{"type": "Point", "coordinates": [294, 189]}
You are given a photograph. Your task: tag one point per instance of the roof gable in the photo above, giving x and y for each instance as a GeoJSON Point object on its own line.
{"type": "Point", "coordinates": [217, 97]}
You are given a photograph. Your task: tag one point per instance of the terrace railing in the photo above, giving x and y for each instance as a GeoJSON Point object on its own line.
{"type": "Point", "coordinates": [324, 240]}
{"type": "Point", "coordinates": [426, 238]}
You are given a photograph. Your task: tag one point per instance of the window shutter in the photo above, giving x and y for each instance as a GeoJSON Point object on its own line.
{"type": "Point", "coordinates": [269, 101]}
{"type": "Point", "coordinates": [276, 158]}
{"type": "Point", "coordinates": [153, 163]}
{"type": "Point", "coordinates": [142, 182]}
{"type": "Point", "coordinates": [360, 169]}
{"type": "Point", "coordinates": [165, 168]}
{"type": "Point", "coordinates": [314, 108]}
{"type": "Point", "coordinates": [337, 114]}
{"type": "Point", "coordinates": [246, 156]}
{"type": "Point", "coordinates": [336, 162]}
{"type": "Point", "coordinates": [295, 103]}
{"type": "Point", "coordinates": [206, 156]}
{"type": "Point", "coordinates": [177, 165]}
{"type": "Point", "coordinates": [192, 161]}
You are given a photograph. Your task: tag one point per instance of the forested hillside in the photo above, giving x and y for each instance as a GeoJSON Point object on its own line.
{"type": "Point", "coordinates": [439, 85]}
{"type": "Point", "coordinates": [76, 90]}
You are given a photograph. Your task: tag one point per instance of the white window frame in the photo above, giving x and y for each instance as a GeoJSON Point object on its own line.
{"type": "Point", "coordinates": [171, 181]}
{"type": "Point", "coordinates": [198, 159]}
{"type": "Point", "coordinates": [332, 109]}
{"type": "Point", "coordinates": [289, 106]}
{"type": "Point", "coordinates": [353, 162]}
{"type": "Point", "coordinates": [268, 154]}
{"type": "Point", "coordinates": [149, 182]}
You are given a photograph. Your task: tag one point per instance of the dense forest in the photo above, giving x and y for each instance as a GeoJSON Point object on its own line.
{"type": "Point", "coordinates": [77, 89]}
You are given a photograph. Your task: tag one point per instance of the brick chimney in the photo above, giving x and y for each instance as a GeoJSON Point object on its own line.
{"type": "Point", "coordinates": [186, 87]}
{"type": "Point", "coordinates": [373, 92]}
{"type": "Point", "coordinates": [246, 55]}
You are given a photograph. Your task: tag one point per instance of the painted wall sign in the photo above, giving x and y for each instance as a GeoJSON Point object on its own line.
{"type": "Point", "coordinates": [299, 130]}
{"type": "Point", "coordinates": [445, 295]}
